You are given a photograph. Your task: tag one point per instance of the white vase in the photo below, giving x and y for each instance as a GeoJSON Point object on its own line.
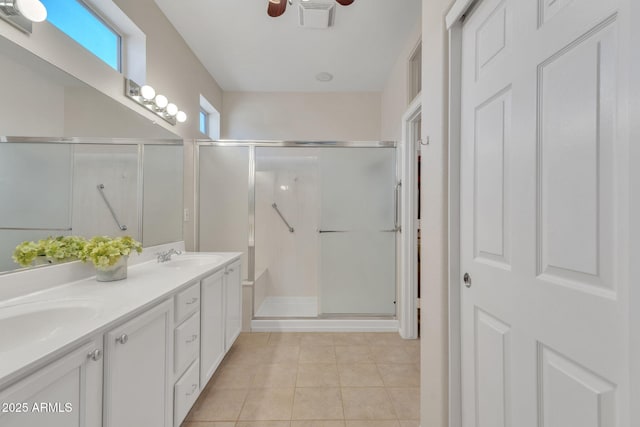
{"type": "Point", "coordinates": [117, 271]}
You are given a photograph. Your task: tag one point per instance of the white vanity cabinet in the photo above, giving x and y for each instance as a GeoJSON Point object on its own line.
{"type": "Point", "coordinates": [65, 393]}
{"type": "Point", "coordinates": [233, 303]}
{"type": "Point", "coordinates": [212, 345]}
{"type": "Point", "coordinates": [137, 370]}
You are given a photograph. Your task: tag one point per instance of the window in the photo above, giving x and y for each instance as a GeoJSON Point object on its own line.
{"type": "Point", "coordinates": [76, 20]}
{"type": "Point", "coordinates": [204, 122]}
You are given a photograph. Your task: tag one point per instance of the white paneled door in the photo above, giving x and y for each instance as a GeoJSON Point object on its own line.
{"type": "Point", "coordinates": [544, 205]}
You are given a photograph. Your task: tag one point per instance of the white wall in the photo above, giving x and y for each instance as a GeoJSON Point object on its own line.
{"type": "Point", "coordinates": [301, 116]}
{"type": "Point", "coordinates": [434, 320]}
{"type": "Point", "coordinates": [395, 95]}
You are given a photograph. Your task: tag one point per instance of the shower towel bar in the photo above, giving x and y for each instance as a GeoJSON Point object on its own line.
{"type": "Point", "coordinates": [104, 197]}
{"type": "Point", "coordinates": [274, 206]}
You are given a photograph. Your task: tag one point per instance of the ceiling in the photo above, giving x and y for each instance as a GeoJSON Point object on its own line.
{"type": "Point", "coordinates": [246, 50]}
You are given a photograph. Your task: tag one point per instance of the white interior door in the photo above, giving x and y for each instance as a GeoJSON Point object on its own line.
{"type": "Point", "coordinates": [544, 214]}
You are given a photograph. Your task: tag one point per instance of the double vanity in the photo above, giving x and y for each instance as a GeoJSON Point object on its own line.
{"type": "Point", "coordinates": [136, 352]}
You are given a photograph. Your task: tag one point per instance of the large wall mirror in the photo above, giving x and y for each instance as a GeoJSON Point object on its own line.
{"type": "Point", "coordinates": [76, 162]}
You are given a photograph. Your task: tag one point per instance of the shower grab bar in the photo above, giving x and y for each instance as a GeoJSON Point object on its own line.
{"type": "Point", "coordinates": [274, 206]}
{"type": "Point", "coordinates": [113, 214]}
{"type": "Point", "coordinates": [332, 231]}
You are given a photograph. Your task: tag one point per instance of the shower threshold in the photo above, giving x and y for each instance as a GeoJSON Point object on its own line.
{"type": "Point", "coordinates": [326, 324]}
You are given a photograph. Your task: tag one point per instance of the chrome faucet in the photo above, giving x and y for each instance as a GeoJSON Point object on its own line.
{"type": "Point", "coordinates": [166, 256]}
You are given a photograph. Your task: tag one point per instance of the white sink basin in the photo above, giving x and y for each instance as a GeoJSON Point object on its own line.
{"type": "Point", "coordinates": [189, 261]}
{"type": "Point", "coordinates": [39, 321]}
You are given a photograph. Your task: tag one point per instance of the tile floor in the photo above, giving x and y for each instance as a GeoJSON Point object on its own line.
{"type": "Point", "coordinates": [313, 380]}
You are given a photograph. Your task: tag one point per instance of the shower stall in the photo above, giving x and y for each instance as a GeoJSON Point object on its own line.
{"type": "Point", "coordinates": [317, 222]}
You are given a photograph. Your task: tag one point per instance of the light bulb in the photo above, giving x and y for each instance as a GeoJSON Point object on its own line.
{"type": "Point", "coordinates": [181, 116]}
{"type": "Point", "coordinates": [147, 92]}
{"type": "Point", "coordinates": [274, 1]}
{"type": "Point", "coordinates": [33, 10]}
{"type": "Point", "coordinates": [161, 101]}
{"type": "Point", "coordinates": [172, 109]}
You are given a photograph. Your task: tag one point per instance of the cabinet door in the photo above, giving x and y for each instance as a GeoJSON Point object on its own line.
{"type": "Point", "coordinates": [138, 364]}
{"type": "Point", "coordinates": [233, 298]}
{"type": "Point", "coordinates": [65, 393]}
{"type": "Point", "coordinates": [211, 325]}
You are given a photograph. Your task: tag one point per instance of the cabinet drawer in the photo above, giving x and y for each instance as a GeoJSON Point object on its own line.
{"type": "Point", "coordinates": [187, 342]}
{"type": "Point", "coordinates": [185, 393]}
{"type": "Point", "coordinates": [187, 302]}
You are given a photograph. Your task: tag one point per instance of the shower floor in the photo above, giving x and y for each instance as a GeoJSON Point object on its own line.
{"type": "Point", "coordinates": [288, 307]}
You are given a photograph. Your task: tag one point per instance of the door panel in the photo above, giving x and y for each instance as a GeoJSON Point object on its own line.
{"type": "Point", "coordinates": [543, 222]}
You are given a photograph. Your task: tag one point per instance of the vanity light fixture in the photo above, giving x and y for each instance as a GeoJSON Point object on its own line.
{"type": "Point", "coordinates": [22, 13]}
{"type": "Point", "coordinates": [156, 103]}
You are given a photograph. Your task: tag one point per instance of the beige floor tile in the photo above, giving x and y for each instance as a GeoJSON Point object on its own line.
{"type": "Point", "coordinates": [373, 423]}
{"type": "Point", "coordinates": [282, 353]}
{"type": "Point", "coordinates": [385, 338]}
{"type": "Point", "coordinates": [208, 424]}
{"type": "Point", "coordinates": [317, 423]}
{"type": "Point", "coordinates": [233, 376]}
{"type": "Point", "coordinates": [406, 402]}
{"type": "Point", "coordinates": [414, 353]}
{"type": "Point", "coordinates": [268, 404]}
{"type": "Point", "coordinates": [246, 339]}
{"type": "Point", "coordinates": [316, 338]}
{"type": "Point", "coordinates": [263, 424]}
{"type": "Point", "coordinates": [275, 375]}
{"type": "Point", "coordinates": [360, 375]}
{"type": "Point", "coordinates": [219, 405]}
{"type": "Point", "coordinates": [353, 354]}
{"type": "Point", "coordinates": [288, 338]}
{"type": "Point", "coordinates": [317, 375]}
{"type": "Point", "coordinates": [350, 338]}
{"type": "Point", "coordinates": [318, 354]}
{"type": "Point", "coordinates": [247, 355]}
{"type": "Point", "coordinates": [367, 404]}
{"type": "Point", "coordinates": [390, 354]}
{"type": "Point", "coordinates": [400, 375]}
{"type": "Point", "coordinates": [322, 403]}
{"type": "Point", "coordinates": [409, 423]}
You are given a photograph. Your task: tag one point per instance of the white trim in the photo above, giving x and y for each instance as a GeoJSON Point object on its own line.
{"type": "Point", "coordinates": [213, 117]}
{"type": "Point", "coordinates": [408, 310]}
{"type": "Point", "coordinates": [456, 12]}
{"type": "Point", "coordinates": [455, 327]}
{"type": "Point", "coordinates": [324, 325]}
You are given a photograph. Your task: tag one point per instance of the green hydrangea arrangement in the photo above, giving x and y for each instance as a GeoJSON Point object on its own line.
{"type": "Point", "coordinates": [105, 251]}
{"type": "Point", "coordinates": [55, 249]}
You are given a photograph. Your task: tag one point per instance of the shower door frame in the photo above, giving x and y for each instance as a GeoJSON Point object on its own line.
{"type": "Point", "coordinates": [252, 145]}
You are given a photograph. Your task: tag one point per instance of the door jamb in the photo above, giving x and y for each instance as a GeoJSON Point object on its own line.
{"type": "Point", "coordinates": [408, 312]}
{"type": "Point", "coordinates": [454, 22]}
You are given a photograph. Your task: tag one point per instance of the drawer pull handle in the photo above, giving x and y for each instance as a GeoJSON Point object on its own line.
{"type": "Point", "coordinates": [193, 301]}
{"type": "Point", "coordinates": [122, 339]}
{"type": "Point", "coordinates": [95, 355]}
{"type": "Point", "coordinates": [194, 387]}
{"type": "Point", "coordinates": [192, 339]}
{"type": "Point", "coordinates": [231, 270]}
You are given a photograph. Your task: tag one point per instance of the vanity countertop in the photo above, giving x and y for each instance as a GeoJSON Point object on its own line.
{"type": "Point", "coordinates": [38, 327]}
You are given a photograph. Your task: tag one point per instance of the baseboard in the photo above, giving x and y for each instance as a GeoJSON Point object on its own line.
{"type": "Point", "coordinates": [324, 325]}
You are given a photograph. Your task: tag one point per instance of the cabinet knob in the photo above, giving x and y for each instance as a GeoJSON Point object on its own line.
{"type": "Point", "coordinates": [95, 355]}
{"type": "Point", "coordinates": [122, 339]}
{"type": "Point", "coordinates": [192, 339]}
{"type": "Point", "coordinates": [231, 270]}
{"type": "Point", "coordinates": [193, 301]}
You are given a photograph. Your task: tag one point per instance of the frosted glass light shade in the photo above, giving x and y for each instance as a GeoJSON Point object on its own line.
{"type": "Point", "coordinates": [181, 116]}
{"type": "Point", "coordinates": [161, 101]}
{"type": "Point", "coordinates": [33, 10]}
{"type": "Point", "coordinates": [147, 92]}
{"type": "Point", "coordinates": [172, 109]}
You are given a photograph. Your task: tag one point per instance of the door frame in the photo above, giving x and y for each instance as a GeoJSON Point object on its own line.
{"type": "Point", "coordinates": [454, 23]}
{"type": "Point", "coordinates": [408, 245]}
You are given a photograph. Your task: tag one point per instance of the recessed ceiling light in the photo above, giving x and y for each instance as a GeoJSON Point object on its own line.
{"type": "Point", "coordinates": [324, 77]}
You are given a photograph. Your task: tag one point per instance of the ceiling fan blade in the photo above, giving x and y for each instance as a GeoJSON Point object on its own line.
{"type": "Point", "coordinates": [345, 2]}
{"type": "Point", "coordinates": [276, 9]}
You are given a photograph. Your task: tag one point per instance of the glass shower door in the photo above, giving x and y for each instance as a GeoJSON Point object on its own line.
{"type": "Point", "coordinates": [357, 232]}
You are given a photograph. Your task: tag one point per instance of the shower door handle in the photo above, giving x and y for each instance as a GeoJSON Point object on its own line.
{"type": "Point", "coordinates": [396, 219]}
{"type": "Point", "coordinates": [332, 231]}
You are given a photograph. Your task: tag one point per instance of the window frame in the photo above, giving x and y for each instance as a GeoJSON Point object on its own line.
{"type": "Point", "coordinates": [108, 25]}
{"type": "Point", "coordinates": [206, 115]}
